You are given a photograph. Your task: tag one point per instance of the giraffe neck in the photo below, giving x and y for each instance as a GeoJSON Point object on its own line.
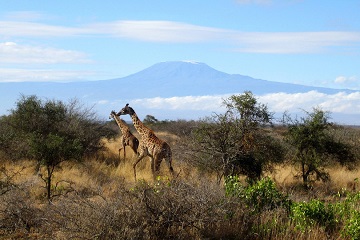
{"type": "Point", "coordinates": [121, 124]}
{"type": "Point", "coordinates": [139, 126]}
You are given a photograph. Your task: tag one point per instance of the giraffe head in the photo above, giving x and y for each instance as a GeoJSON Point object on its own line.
{"type": "Point", "coordinates": [112, 114]}
{"type": "Point", "coordinates": [126, 110]}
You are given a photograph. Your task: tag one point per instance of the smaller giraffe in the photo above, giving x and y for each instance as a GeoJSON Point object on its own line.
{"type": "Point", "coordinates": [150, 144]}
{"type": "Point", "coordinates": [127, 138]}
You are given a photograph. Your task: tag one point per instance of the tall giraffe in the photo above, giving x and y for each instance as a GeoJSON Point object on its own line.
{"type": "Point", "coordinates": [127, 138]}
{"type": "Point", "coordinates": [150, 144]}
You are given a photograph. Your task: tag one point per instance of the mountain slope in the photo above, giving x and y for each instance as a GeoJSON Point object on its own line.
{"type": "Point", "coordinates": [168, 79]}
{"type": "Point", "coordinates": [165, 80]}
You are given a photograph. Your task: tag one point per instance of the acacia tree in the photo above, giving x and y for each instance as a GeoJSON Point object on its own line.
{"type": "Point", "coordinates": [150, 119]}
{"type": "Point", "coordinates": [52, 132]}
{"type": "Point", "coordinates": [315, 148]}
{"type": "Point", "coordinates": [237, 142]}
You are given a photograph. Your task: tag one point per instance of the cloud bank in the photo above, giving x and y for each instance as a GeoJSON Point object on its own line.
{"type": "Point", "coordinates": [339, 103]}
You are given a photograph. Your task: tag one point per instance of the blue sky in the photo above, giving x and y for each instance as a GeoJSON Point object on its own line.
{"type": "Point", "coordinates": [308, 42]}
{"type": "Point", "coordinates": [297, 41]}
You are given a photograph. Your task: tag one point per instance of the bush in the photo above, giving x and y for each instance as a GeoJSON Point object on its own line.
{"type": "Point", "coordinates": [18, 215]}
{"type": "Point", "coordinates": [6, 180]}
{"type": "Point", "coordinates": [261, 195]}
{"type": "Point", "coordinates": [181, 128]}
{"type": "Point", "coordinates": [160, 210]}
{"type": "Point", "coordinates": [352, 226]}
{"type": "Point", "coordinates": [315, 212]}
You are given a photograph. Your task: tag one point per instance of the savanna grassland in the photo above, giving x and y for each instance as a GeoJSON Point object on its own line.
{"type": "Point", "coordinates": [99, 199]}
{"type": "Point", "coordinates": [236, 176]}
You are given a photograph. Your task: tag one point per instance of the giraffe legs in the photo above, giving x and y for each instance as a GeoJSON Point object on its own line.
{"type": "Point", "coordinates": [155, 160]}
{"type": "Point", "coordinates": [155, 166]}
{"type": "Point", "coordinates": [167, 155]}
{"type": "Point", "coordinates": [123, 148]}
{"type": "Point", "coordinates": [134, 144]}
{"type": "Point", "coordinates": [134, 165]}
{"type": "Point", "coordinates": [142, 153]}
{"type": "Point", "coordinates": [123, 145]}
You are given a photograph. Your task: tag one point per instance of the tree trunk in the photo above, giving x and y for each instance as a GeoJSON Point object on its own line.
{"type": "Point", "coordinates": [48, 182]}
{"type": "Point", "coordinates": [304, 175]}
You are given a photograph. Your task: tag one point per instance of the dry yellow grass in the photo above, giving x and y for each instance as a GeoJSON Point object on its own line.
{"type": "Point", "coordinates": [88, 174]}
{"type": "Point", "coordinates": [341, 179]}
{"type": "Point", "coordinates": [98, 181]}
{"type": "Point", "coordinates": [345, 179]}
{"type": "Point", "coordinates": [284, 174]}
{"type": "Point", "coordinates": [92, 173]}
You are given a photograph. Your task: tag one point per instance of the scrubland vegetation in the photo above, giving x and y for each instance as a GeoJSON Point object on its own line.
{"type": "Point", "coordinates": [237, 176]}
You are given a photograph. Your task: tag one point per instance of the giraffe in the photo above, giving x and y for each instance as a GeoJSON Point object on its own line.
{"type": "Point", "coordinates": [150, 144]}
{"type": "Point", "coordinates": [127, 138]}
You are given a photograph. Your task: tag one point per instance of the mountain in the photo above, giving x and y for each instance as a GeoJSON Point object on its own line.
{"type": "Point", "coordinates": [164, 80]}
{"type": "Point", "coordinates": [192, 78]}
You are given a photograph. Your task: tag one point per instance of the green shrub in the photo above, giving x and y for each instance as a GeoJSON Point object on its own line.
{"type": "Point", "coordinates": [261, 195]}
{"type": "Point", "coordinates": [233, 187]}
{"type": "Point", "coordinates": [347, 213]}
{"type": "Point", "coordinates": [352, 226]}
{"type": "Point", "coordinates": [307, 214]}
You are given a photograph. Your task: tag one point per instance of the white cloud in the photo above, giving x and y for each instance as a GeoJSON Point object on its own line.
{"type": "Point", "coordinates": [340, 79]}
{"type": "Point", "coordinates": [341, 102]}
{"type": "Point", "coordinates": [293, 42]}
{"type": "Point", "coordinates": [160, 31]}
{"type": "Point", "coordinates": [344, 80]}
{"type": "Point", "coordinates": [257, 42]}
{"type": "Point", "coordinates": [11, 52]}
{"type": "Point", "coordinates": [32, 29]}
{"type": "Point", "coordinates": [183, 103]}
{"type": "Point", "coordinates": [41, 75]}
{"type": "Point", "coordinates": [345, 103]}
{"type": "Point", "coordinates": [177, 32]}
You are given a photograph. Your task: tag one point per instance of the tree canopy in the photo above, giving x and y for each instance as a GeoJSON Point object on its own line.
{"type": "Point", "coordinates": [236, 142]}
{"type": "Point", "coordinates": [50, 132]}
{"type": "Point", "coordinates": [314, 147]}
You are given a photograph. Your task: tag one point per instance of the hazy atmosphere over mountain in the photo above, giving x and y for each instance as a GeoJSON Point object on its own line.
{"type": "Point", "coordinates": [187, 90]}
